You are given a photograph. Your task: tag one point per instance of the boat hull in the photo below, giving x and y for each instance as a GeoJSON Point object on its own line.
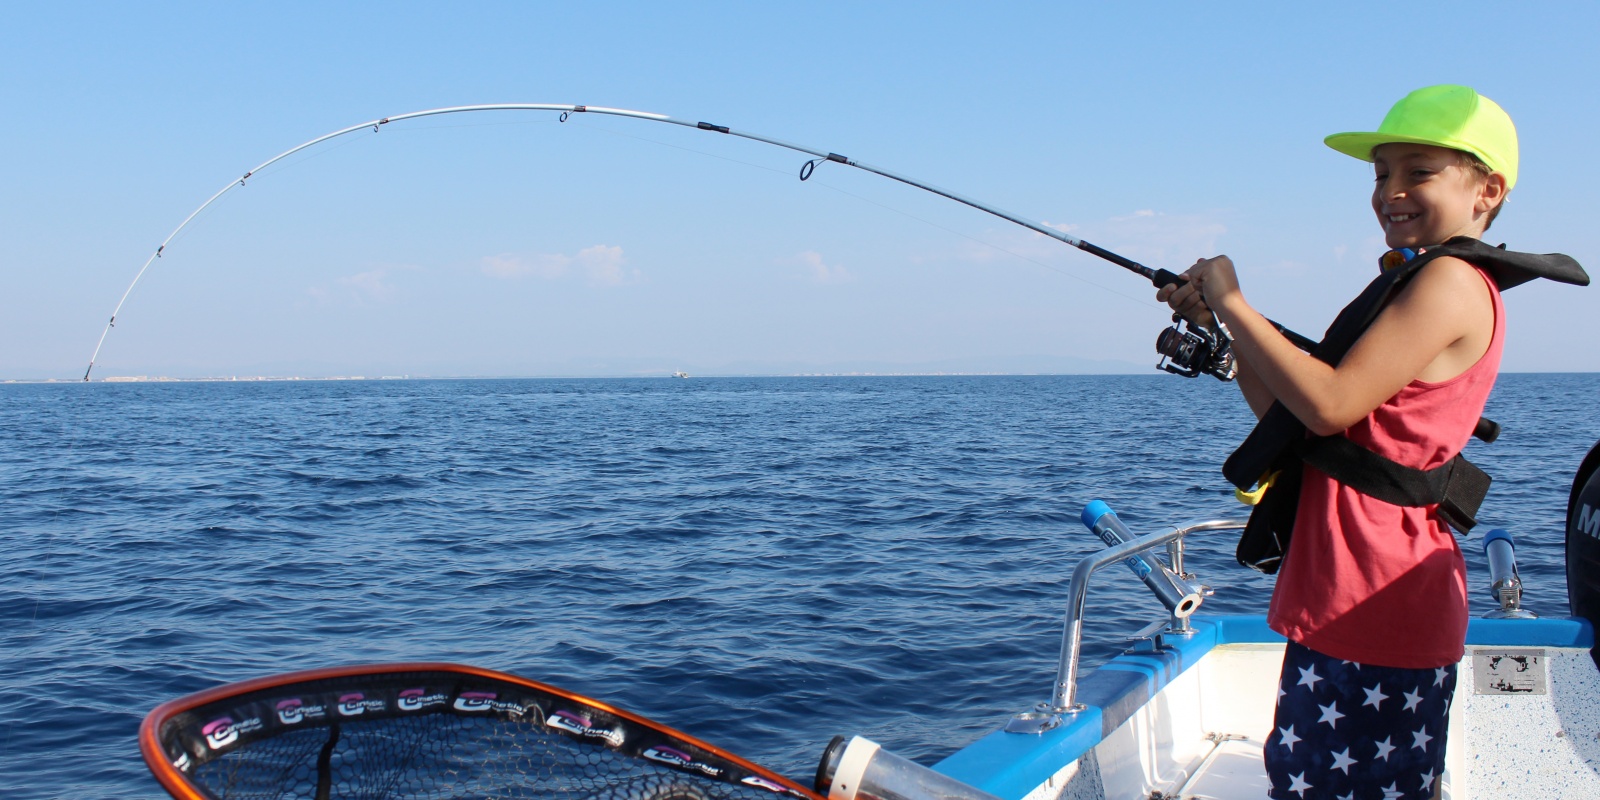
{"type": "Point", "coordinates": [1189, 719]}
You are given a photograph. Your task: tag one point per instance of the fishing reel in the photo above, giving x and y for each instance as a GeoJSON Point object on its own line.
{"type": "Point", "coordinates": [1191, 350]}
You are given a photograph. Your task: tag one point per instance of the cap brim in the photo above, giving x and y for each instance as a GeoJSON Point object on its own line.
{"type": "Point", "coordinates": [1360, 145]}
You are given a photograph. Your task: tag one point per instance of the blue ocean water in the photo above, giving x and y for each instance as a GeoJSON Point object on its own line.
{"type": "Point", "coordinates": [762, 563]}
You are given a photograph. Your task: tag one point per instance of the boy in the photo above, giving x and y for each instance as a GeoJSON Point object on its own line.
{"type": "Point", "coordinates": [1372, 595]}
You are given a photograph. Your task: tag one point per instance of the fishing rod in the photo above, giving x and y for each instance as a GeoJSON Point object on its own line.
{"type": "Point", "coordinates": [1187, 349]}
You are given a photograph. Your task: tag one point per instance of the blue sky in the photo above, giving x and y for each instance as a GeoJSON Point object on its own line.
{"type": "Point", "coordinates": [512, 244]}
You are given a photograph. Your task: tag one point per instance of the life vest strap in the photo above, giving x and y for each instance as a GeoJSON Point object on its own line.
{"type": "Point", "coordinates": [1457, 487]}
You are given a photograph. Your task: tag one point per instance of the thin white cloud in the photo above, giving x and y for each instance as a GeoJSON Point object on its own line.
{"type": "Point", "coordinates": [602, 265]}
{"type": "Point", "coordinates": [510, 265]}
{"type": "Point", "coordinates": [821, 271]}
{"type": "Point", "coordinates": [370, 286]}
{"type": "Point", "coordinates": [374, 286]}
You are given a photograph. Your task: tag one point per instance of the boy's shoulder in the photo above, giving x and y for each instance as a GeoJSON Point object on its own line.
{"type": "Point", "coordinates": [1508, 267]}
{"type": "Point", "coordinates": [1446, 273]}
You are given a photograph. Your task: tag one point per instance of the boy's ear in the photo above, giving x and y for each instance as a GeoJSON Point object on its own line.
{"type": "Point", "coordinates": [1492, 193]}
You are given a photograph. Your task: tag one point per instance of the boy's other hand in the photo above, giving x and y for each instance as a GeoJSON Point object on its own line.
{"type": "Point", "coordinates": [1187, 299]}
{"type": "Point", "coordinates": [1215, 279]}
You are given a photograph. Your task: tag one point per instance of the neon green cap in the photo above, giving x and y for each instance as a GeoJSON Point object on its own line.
{"type": "Point", "coordinates": [1446, 116]}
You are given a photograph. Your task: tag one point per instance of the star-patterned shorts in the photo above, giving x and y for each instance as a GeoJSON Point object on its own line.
{"type": "Point", "coordinates": [1356, 731]}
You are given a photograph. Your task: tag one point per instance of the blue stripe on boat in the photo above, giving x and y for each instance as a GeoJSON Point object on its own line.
{"type": "Point", "coordinates": [1010, 765]}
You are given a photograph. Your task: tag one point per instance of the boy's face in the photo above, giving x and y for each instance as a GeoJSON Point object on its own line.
{"type": "Point", "coordinates": [1425, 194]}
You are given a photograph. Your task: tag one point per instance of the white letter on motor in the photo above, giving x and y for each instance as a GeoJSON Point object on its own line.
{"type": "Point", "coordinates": [1589, 520]}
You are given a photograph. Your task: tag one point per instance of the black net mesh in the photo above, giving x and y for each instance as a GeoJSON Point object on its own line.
{"type": "Point", "coordinates": [471, 740]}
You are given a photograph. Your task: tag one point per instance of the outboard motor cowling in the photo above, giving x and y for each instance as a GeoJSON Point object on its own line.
{"type": "Point", "coordinates": [1583, 543]}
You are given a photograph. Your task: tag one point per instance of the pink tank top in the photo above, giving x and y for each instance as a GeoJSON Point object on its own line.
{"type": "Point", "coordinates": [1374, 583]}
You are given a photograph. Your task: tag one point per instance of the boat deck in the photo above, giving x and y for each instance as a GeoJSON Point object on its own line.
{"type": "Point", "coordinates": [1189, 720]}
{"type": "Point", "coordinates": [1232, 771]}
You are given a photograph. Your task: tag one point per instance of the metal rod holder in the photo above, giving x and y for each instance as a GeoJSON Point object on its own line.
{"type": "Point", "coordinates": [1505, 584]}
{"type": "Point", "coordinates": [1063, 697]}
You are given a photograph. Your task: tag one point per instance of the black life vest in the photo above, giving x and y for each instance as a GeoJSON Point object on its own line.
{"type": "Point", "coordinates": [1279, 443]}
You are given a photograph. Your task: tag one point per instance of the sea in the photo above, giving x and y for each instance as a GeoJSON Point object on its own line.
{"type": "Point", "coordinates": [763, 563]}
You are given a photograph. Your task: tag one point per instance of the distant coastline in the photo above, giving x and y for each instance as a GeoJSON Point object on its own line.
{"type": "Point", "coordinates": [634, 376]}
{"type": "Point", "coordinates": [302, 378]}
{"type": "Point", "coordinates": [223, 379]}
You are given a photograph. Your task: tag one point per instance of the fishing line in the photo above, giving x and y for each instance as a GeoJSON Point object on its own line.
{"type": "Point", "coordinates": [276, 169]}
{"type": "Point", "coordinates": [639, 138]}
{"type": "Point", "coordinates": [1158, 277]}
{"type": "Point", "coordinates": [257, 175]}
{"type": "Point", "coordinates": [187, 232]}
{"type": "Point", "coordinates": [289, 165]}
{"type": "Point", "coordinates": [808, 172]}
{"type": "Point", "coordinates": [991, 245]}
{"type": "Point", "coordinates": [527, 122]}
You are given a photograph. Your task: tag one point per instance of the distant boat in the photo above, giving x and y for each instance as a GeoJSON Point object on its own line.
{"type": "Point", "coordinates": [680, 374]}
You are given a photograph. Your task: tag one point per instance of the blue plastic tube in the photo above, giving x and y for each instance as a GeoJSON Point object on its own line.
{"type": "Point", "coordinates": [1173, 593]}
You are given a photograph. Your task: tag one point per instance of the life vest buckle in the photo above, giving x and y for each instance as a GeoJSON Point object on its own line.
{"type": "Point", "coordinates": [1253, 496]}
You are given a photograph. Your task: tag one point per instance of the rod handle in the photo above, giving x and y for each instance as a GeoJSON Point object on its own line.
{"type": "Point", "coordinates": [1487, 429]}
{"type": "Point", "coordinates": [1163, 277]}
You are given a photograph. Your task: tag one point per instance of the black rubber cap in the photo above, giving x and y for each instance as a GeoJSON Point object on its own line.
{"type": "Point", "coordinates": [821, 783]}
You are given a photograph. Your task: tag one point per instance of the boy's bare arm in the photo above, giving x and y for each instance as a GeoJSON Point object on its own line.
{"type": "Point", "coordinates": [1437, 327]}
{"type": "Point", "coordinates": [1256, 393]}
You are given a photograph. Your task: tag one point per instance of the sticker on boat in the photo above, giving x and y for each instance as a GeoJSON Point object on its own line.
{"type": "Point", "coordinates": [1508, 672]}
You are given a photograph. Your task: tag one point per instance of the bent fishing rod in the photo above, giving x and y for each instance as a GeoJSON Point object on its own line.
{"type": "Point", "coordinates": [1189, 350]}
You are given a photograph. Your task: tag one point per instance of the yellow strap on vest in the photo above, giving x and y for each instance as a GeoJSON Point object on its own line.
{"type": "Point", "coordinates": [1253, 496]}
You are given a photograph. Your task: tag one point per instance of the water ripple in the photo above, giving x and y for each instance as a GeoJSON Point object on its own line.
{"type": "Point", "coordinates": [763, 563]}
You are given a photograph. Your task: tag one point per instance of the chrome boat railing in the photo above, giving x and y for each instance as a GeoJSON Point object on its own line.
{"type": "Point", "coordinates": [1063, 698]}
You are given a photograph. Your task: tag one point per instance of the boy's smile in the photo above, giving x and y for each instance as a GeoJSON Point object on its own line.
{"type": "Point", "coordinates": [1425, 195]}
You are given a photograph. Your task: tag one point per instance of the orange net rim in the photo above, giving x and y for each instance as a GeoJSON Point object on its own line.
{"type": "Point", "coordinates": [178, 785]}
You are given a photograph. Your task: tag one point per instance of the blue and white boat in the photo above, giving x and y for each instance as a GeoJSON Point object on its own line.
{"type": "Point", "coordinates": [1186, 712]}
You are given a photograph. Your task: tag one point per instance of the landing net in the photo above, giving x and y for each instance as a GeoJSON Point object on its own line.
{"type": "Point", "coordinates": [430, 732]}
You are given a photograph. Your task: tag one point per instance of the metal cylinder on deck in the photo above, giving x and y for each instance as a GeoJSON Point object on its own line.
{"type": "Point", "coordinates": [858, 768]}
{"type": "Point", "coordinates": [1504, 583]}
{"type": "Point", "coordinates": [1175, 593]}
{"type": "Point", "coordinates": [1499, 550]}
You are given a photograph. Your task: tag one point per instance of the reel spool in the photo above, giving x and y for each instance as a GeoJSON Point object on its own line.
{"type": "Point", "coordinates": [1191, 351]}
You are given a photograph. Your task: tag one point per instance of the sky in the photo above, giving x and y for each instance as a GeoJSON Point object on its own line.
{"type": "Point", "coordinates": [513, 244]}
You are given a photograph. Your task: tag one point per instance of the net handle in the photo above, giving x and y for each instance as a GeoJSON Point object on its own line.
{"type": "Point", "coordinates": [177, 784]}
